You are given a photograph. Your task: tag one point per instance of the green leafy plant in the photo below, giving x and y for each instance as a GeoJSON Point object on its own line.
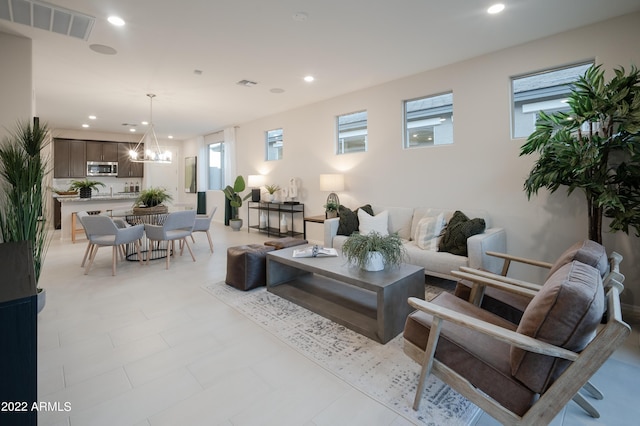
{"type": "Point", "coordinates": [272, 189]}
{"type": "Point", "coordinates": [85, 184]}
{"type": "Point", "coordinates": [331, 206]}
{"type": "Point", "coordinates": [233, 194]}
{"type": "Point", "coordinates": [595, 147]}
{"type": "Point", "coordinates": [357, 248]}
{"type": "Point", "coordinates": [153, 196]}
{"type": "Point", "coordinates": [22, 208]}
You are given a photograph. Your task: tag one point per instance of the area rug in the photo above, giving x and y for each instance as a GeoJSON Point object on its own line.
{"type": "Point", "coordinates": [383, 372]}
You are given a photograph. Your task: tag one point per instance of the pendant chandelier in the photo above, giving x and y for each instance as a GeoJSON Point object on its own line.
{"type": "Point", "coordinates": [152, 152]}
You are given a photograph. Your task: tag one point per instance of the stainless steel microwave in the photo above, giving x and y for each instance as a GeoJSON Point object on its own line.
{"type": "Point", "coordinates": [102, 168]}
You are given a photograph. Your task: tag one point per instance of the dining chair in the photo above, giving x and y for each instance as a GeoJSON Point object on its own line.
{"type": "Point", "coordinates": [177, 226]}
{"type": "Point", "coordinates": [102, 231]}
{"type": "Point", "coordinates": [79, 216]}
{"type": "Point", "coordinates": [203, 223]}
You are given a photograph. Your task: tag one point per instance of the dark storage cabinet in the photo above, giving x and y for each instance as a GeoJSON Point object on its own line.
{"type": "Point", "coordinates": [127, 168]}
{"type": "Point", "coordinates": [102, 151]}
{"type": "Point", "coordinates": [69, 158]}
{"type": "Point", "coordinates": [18, 334]}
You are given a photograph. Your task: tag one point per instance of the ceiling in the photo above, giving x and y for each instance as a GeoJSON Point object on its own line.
{"type": "Point", "coordinates": [346, 45]}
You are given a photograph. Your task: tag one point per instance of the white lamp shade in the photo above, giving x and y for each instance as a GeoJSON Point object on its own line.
{"type": "Point", "coordinates": [255, 181]}
{"type": "Point", "coordinates": [332, 182]}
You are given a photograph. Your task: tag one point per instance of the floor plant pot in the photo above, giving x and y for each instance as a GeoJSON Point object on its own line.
{"type": "Point", "coordinates": [85, 192]}
{"type": "Point", "coordinates": [375, 262]}
{"type": "Point", "coordinates": [42, 299]}
{"type": "Point", "coordinates": [235, 224]}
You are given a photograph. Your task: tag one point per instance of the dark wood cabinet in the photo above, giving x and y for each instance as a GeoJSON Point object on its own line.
{"type": "Point", "coordinates": [69, 158]}
{"type": "Point", "coordinates": [102, 151]}
{"type": "Point", "coordinates": [126, 167]}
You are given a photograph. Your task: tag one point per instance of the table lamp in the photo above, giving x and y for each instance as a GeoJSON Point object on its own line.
{"type": "Point", "coordinates": [255, 182]}
{"type": "Point", "coordinates": [332, 183]}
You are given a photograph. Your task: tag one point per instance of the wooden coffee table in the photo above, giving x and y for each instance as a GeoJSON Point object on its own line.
{"type": "Point", "coordinates": [373, 304]}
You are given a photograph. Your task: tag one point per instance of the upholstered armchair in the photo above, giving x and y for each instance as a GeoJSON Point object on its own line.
{"type": "Point", "coordinates": [525, 373]}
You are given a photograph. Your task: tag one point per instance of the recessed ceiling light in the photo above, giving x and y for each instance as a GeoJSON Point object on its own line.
{"type": "Point", "coordinates": [85, 125]}
{"type": "Point", "coordinates": [496, 8]}
{"type": "Point", "coordinates": [116, 20]}
{"type": "Point", "coordinates": [92, 117]}
{"type": "Point", "coordinates": [309, 78]}
{"type": "Point", "coordinates": [132, 130]}
{"type": "Point", "coordinates": [144, 123]}
{"type": "Point", "coordinates": [170, 136]}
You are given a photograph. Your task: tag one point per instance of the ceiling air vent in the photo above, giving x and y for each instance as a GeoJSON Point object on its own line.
{"type": "Point", "coordinates": [47, 17]}
{"type": "Point", "coordinates": [246, 83]}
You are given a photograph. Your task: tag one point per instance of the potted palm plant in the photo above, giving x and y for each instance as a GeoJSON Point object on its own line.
{"type": "Point", "coordinates": [233, 194]}
{"type": "Point", "coordinates": [23, 214]}
{"type": "Point", "coordinates": [85, 187]}
{"type": "Point", "coordinates": [150, 200]}
{"type": "Point", "coordinates": [594, 147]}
{"type": "Point", "coordinates": [374, 252]}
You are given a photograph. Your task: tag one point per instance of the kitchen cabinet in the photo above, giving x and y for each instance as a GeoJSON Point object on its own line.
{"type": "Point", "coordinates": [69, 158]}
{"type": "Point", "coordinates": [126, 167]}
{"type": "Point", "coordinates": [102, 151]}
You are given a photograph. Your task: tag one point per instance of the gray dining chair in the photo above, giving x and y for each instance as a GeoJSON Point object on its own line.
{"type": "Point", "coordinates": [102, 231]}
{"type": "Point", "coordinates": [177, 226]}
{"type": "Point", "coordinates": [81, 215]}
{"type": "Point", "coordinates": [202, 224]}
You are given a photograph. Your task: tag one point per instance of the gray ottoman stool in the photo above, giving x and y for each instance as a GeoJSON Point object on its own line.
{"type": "Point", "coordinates": [247, 266]}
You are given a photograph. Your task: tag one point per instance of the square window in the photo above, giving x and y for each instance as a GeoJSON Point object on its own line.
{"type": "Point", "coordinates": [274, 144]}
{"type": "Point", "coordinates": [428, 121]}
{"type": "Point", "coordinates": [543, 91]}
{"type": "Point", "coordinates": [352, 132]}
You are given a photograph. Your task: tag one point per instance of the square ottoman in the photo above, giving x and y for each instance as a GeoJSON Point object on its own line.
{"type": "Point", "coordinates": [247, 266]}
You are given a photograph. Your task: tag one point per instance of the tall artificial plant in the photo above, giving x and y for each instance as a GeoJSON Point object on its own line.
{"type": "Point", "coordinates": [22, 171]}
{"type": "Point", "coordinates": [233, 194]}
{"type": "Point", "coordinates": [595, 147]}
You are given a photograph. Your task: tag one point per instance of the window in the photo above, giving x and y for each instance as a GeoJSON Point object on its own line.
{"type": "Point", "coordinates": [215, 166]}
{"type": "Point", "coordinates": [428, 121]}
{"type": "Point", "coordinates": [352, 132]}
{"type": "Point", "coordinates": [274, 144]}
{"type": "Point", "coordinates": [544, 91]}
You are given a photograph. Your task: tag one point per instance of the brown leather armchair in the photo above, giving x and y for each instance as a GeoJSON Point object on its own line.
{"type": "Point", "coordinates": [525, 373]}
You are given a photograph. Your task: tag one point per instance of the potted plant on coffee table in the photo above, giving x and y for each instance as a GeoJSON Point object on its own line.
{"type": "Point", "coordinates": [85, 187]}
{"type": "Point", "coordinates": [374, 252]}
{"type": "Point", "coordinates": [233, 194]}
{"type": "Point", "coordinates": [150, 201]}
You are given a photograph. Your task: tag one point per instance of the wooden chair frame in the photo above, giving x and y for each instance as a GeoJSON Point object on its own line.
{"type": "Point", "coordinates": [482, 279]}
{"type": "Point", "coordinates": [584, 364]}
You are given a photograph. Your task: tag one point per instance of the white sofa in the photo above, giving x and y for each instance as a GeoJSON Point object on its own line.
{"type": "Point", "coordinates": [404, 220]}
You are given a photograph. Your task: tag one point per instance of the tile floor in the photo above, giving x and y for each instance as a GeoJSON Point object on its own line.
{"type": "Point", "coordinates": [150, 347]}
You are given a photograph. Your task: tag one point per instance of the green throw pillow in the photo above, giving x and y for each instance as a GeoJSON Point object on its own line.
{"type": "Point", "coordinates": [349, 219]}
{"type": "Point", "coordinates": [459, 228]}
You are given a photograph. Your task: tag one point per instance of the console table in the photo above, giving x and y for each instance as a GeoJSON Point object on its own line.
{"type": "Point", "coordinates": [272, 225]}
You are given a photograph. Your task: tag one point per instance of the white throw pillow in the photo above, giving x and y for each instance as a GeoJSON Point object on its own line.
{"type": "Point", "coordinates": [378, 223]}
{"type": "Point", "coordinates": [428, 232]}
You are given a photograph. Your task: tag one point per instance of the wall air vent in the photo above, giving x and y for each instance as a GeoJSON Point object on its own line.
{"type": "Point", "coordinates": [47, 17]}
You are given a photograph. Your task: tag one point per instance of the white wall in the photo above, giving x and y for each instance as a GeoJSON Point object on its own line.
{"type": "Point", "coordinates": [15, 82]}
{"type": "Point", "coordinates": [481, 170]}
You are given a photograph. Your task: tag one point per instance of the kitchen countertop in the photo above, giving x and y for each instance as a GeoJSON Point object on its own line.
{"type": "Point", "coordinates": [76, 198]}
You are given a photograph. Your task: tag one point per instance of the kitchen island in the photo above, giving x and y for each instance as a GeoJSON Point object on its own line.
{"type": "Point", "coordinates": [73, 204]}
